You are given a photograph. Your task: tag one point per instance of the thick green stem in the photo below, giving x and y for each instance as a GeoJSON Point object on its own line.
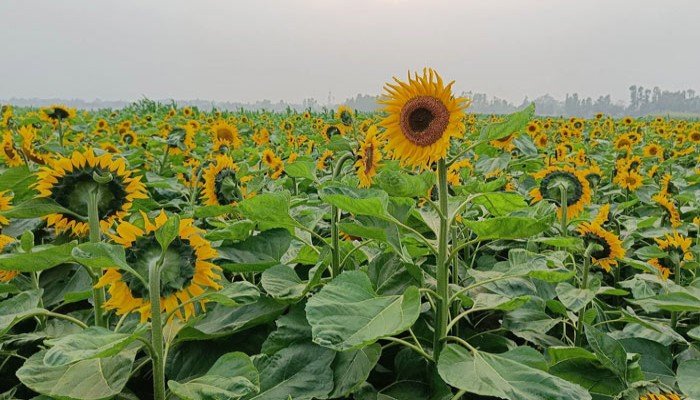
{"type": "Point", "coordinates": [156, 331]}
{"type": "Point", "coordinates": [677, 279]}
{"type": "Point", "coordinates": [98, 294]}
{"type": "Point", "coordinates": [164, 160]}
{"type": "Point", "coordinates": [564, 210]}
{"type": "Point", "coordinates": [584, 285]}
{"type": "Point", "coordinates": [442, 267]}
{"type": "Point", "coordinates": [335, 218]}
{"type": "Point", "coordinates": [60, 132]}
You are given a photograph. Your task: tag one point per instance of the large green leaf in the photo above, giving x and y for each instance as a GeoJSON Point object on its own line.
{"type": "Point", "coordinates": [256, 253]}
{"type": "Point", "coordinates": [41, 258]}
{"type": "Point", "coordinates": [508, 227]}
{"type": "Point", "coordinates": [271, 209]}
{"type": "Point", "coordinates": [610, 352]}
{"type": "Point", "coordinates": [500, 203]}
{"type": "Point", "coordinates": [572, 297]}
{"type": "Point", "coordinates": [19, 307]}
{"type": "Point", "coordinates": [689, 378]}
{"type": "Point", "coordinates": [398, 183]}
{"type": "Point", "coordinates": [222, 321]}
{"type": "Point", "coordinates": [512, 124]}
{"type": "Point", "coordinates": [351, 368]}
{"type": "Point", "coordinates": [301, 169]}
{"type": "Point", "coordinates": [299, 372]}
{"type": "Point", "coordinates": [93, 342]}
{"type": "Point", "coordinates": [283, 283]}
{"type": "Point", "coordinates": [372, 202]}
{"type": "Point", "coordinates": [347, 313]}
{"type": "Point", "coordinates": [494, 375]}
{"type": "Point", "coordinates": [19, 181]}
{"type": "Point", "coordinates": [231, 377]}
{"type": "Point", "coordinates": [37, 207]}
{"type": "Point", "coordinates": [675, 301]}
{"type": "Point", "coordinates": [93, 379]}
{"type": "Point", "coordinates": [602, 383]}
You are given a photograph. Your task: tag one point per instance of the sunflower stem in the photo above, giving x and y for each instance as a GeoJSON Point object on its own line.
{"type": "Point", "coordinates": [442, 267]}
{"type": "Point", "coordinates": [156, 330]}
{"type": "Point", "coordinates": [335, 218]}
{"type": "Point", "coordinates": [98, 294]}
{"type": "Point", "coordinates": [677, 279]}
{"type": "Point", "coordinates": [564, 209]}
{"type": "Point", "coordinates": [60, 131]}
{"type": "Point", "coordinates": [161, 170]}
{"type": "Point", "coordinates": [584, 285]}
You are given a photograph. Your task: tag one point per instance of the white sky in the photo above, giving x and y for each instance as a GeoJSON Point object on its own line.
{"type": "Point", "coordinates": [294, 49]}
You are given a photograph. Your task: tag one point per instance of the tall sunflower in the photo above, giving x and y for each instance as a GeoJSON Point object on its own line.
{"type": "Point", "coordinates": [345, 115]}
{"type": "Point", "coordinates": [9, 152]}
{"type": "Point", "coordinates": [423, 116]}
{"type": "Point", "coordinates": [187, 271]}
{"type": "Point", "coordinates": [593, 232]}
{"type": "Point", "coordinates": [57, 112]}
{"type": "Point", "coordinates": [368, 158]}
{"type": "Point", "coordinates": [221, 184]}
{"type": "Point", "coordinates": [69, 182]}
{"type": "Point", "coordinates": [577, 187]}
{"type": "Point", "coordinates": [660, 396]}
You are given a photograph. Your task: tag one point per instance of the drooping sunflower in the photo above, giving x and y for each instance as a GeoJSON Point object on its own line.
{"type": "Point", "coordinates": [329, 131]}
{"type": "Point", "coordinates": [423, 116]}
{"type": "Point", "coordinates": [6, 276]}
{"type": "Point", "coordinates": [593, 232]}
{"type": "Point", "coordinates": [187, 269]}
{"type": "Point", "coordinates": [57, 112]}
{"type": "Point", "coordinates": [129, 138]}
{"type": "Point", "coordinates": [6, 113]}
{"type": "Point", "coordinates": [345, 115]}
{"type": "Point", "coordinates": [454, 172]}
{"type": "Point", "coordinates": [28, 134]}
{"type": "Point", "coordinates": [8, 151]}
{"type": "Point", "coordinates": [221, 183]}
{"type": "Point", "coordinates": [368, 157]}
{"type": "Point", "coordinates": [321, 163]}
{"type": "Point", "coordinates": [274, 163]}
{"type": "Point", "coordinates": [577, 188]}
{"type": "Point", "coordinates": [69, 182]}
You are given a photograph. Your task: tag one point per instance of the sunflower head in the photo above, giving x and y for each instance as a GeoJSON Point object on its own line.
{"type": "Point", "coordinates": [423, 116]}
{"type": "Point", "coordinates": [5, 247]}
{"type": "Point", "coordinates": [676, 244]}
{"type": "Point", "coordinates": [226, 133]}
{"type": "Point", "coordinates": [345, 115]}
{"type": "Point", "coordinates": [368, 157]}
{"type": "Point", "coordinates": [221, 183]}
{"type": "Point", "coordinates": [58, 112]}
{"type": "Point", "coordinates": [70, 181]}
{"type": "Point", "coordinates": [5, 199]}
{"type": "Point", "coordinates": [187, 270]}
{"type": "Point", "coordinates": [609, 244]}
{"type": "Point", "coordinates": [553, 180]}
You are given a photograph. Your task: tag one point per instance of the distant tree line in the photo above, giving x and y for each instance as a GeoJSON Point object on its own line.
{"type": "Point", "coordinates": [642, 101]}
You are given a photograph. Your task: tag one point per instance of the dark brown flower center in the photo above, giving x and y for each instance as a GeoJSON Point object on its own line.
{"type": "Point", "coordinates": [424, 120]}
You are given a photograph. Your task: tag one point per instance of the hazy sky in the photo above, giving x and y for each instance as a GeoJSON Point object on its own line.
{"type": "Point", "coordinates": [294, 49]}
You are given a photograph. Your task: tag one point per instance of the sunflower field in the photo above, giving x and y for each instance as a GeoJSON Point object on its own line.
{"type": "Point", "coordinates": [419, 252]}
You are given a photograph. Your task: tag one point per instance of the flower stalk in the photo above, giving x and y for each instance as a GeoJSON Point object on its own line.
{"type": "Point", "coordinates": [442, 267]}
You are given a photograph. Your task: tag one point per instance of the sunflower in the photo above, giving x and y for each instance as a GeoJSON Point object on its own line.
{"type": "Point", "coordinates": [345, 115]}
{"type": "Point", "coordinates": [577, 187]}
{"type": "Point", "coordinates": [659, 265]}
{"type": "Point", "coordinates": [261, 137]}
{"type": "Point", "coordinates": [328, 131]}
{"type": "Point", "coordinates": [129, 138]}
{"type": "Point", "coordinates": [5, 241]}
{"type": "Point", "coordinates": [187, 271]}
{"type": "Point", "coordinates": [321, 163]}
{"type": "Point", "coordinates": [5, 199]}
{"type": "Point", "coordinates": [541, 140]}
{"type": "Point", "coordinates": [368, 158]}
{"type": "Point", "coordinates": [630, 180]}
{"type": "Point", "coordinates": [654, 150]}
{"type": "Point", "coordinates": [678, 244]}
{"type": "Point", "coordinates": [69, 182]}
{"type": "Point", "coordinates": [660, 396]}
{"type": "Point", "coordinates": [274, 163]}
{"type": "Point", "coordinates": [593, 174]}
{"type": "Point", "coordinates": [57, 112]}
{"type": "Point", "coordinates": [454, 175]}
{"type": "Point", "coordinates": [8, 151]}
{"type": "Point", "coordinates": [226, 134]}
{"type": "Point", "coordinates": [6, 114]}
{"type": "Point", "coordinates": [593, 232]}
{"type": "Point", "coordinates": [423, 116]}
{"type": "Point", "coordinates": [28, 134]}
{"type": "Point", "coordinates": [668, 205]}
{"type": "Point", "coordinates": [221, 184]}
{"type": "Point", "coordinates": [694, 136]}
